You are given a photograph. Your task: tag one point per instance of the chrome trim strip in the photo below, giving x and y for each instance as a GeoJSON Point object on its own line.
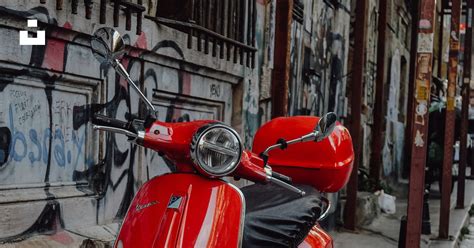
{"type": "Point", "coordinates": [242, 218]}
{"type": "Point", "coordinates": [326, 212]}
{"type": "Point", "coordinates": [141, 135]}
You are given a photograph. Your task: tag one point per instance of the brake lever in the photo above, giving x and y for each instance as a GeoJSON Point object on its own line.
{"type": "Point", "coordinates": [282, 181]}
{"type": "Point", "coordinates": [287, 186]}
{"type": "Point", "coordinates": [129, 134]}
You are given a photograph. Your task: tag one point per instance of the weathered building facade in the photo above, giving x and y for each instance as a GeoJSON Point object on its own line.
{"type": "Point", "coordinates": [395, 78]}
{"type": "Point", "coordinates": [55, 171]}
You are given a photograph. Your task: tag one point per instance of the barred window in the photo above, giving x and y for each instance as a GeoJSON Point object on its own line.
{"type": "Point", "coordinates": [224, 28]}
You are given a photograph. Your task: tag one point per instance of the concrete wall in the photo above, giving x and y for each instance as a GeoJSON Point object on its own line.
{"type": "Point", "coordinates": [55, 171]}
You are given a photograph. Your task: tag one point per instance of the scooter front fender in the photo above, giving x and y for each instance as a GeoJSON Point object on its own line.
{"type": "Point", "coordinates": [184, 210]}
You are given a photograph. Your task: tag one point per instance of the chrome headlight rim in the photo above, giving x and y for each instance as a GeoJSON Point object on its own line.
{"type": "Point", "coordinates": [204, 169]}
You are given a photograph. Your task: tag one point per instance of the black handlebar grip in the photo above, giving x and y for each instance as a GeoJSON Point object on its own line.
{"type": "Point", "coordinates": [111, 122]}
{"type": "Point", "coordinates": [281, 177]}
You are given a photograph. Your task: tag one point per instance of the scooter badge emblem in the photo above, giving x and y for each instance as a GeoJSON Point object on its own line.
{"type": "Point", "coordinates": [175, 202]}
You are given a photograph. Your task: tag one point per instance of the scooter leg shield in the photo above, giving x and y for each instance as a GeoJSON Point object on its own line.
{"type": "Point", "coordinates": [184, 210]}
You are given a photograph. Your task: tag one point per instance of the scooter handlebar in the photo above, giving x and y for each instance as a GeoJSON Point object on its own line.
{"type": "Point", "coordinates": [103, 120]}
{"type": "Point", "coordinates": [132, 136]}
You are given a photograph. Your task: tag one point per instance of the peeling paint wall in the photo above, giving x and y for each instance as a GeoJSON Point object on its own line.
{"type": "Point", "coordinates": [55, 171]}
{"type": "Point", "coordinates": [319, 53]}
{"type": "Point", "coordinates": [396, 89]}
{"type": "Point", "coordinates": [319, 72]}
{"type": "Point", "coordinates": [396, 86]}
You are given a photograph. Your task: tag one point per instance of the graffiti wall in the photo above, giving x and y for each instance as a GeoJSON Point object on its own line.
{"type": "Point", "coordinates": [395, 86]}
{"type": "Point", "coordinates": [396, 91]}
{"type": "Point", "coordinates": [56, 172]}
{"type": "Point", "coordinates": [319, 54]}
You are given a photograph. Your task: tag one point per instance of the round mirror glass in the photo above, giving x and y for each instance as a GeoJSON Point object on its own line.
{"type": "Point", "coordinates": [107, 44]}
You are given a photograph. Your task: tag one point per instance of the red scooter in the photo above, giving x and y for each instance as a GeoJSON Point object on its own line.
{"type": "Point", "coordinates": [197, 207]}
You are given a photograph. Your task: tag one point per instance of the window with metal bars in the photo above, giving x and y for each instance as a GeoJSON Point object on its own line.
{"type": "Point", "coordinates": [223, 28]}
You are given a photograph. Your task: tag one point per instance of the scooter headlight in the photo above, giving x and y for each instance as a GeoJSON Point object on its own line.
{"type": "Point", "coordinates": [216, 150]}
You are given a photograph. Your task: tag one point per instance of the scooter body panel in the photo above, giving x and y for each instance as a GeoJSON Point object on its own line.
{"type": "Point", "coordinates": [184, 210]}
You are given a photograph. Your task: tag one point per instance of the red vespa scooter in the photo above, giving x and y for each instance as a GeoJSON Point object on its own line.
{"type": "Point", "coordinates": [197, 207]}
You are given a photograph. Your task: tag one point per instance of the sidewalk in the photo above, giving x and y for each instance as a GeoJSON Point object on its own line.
{"type": "Point", "coordinates": [84, 237]}
{"type": "Point", "coordinates": [384, 230]}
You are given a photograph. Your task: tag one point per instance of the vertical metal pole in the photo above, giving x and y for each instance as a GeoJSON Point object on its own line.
{"type": "Point", "coordinates": [440, 41]}
{"type": "Point", "coordinates": [207, 24]}
{"type": "Point", "coordinates": [249, 28]}
{"type": "Point", "coordinates": [190, 31]}
{"type": "Point", "coordinates": [241, 25]}
{"type": "Point", "coordinates": [237, 30]}
{"type": "Point", "coordinates": [59, 4]}
{"type": "Point", "coordinates": [281, 71]}
{"type": "Point", "coordinates": [415, 6]}
{"type": "Point", "coordinates": [103, 8]}
{"type": "Point", "coordinates": [358, 66]}
{"type": "Point", "coordinates": [222, 30]}
{"type": "Point", "coordinates": [377, 142]}
{"type": "Point", "coordinates": [139, 19]}
{"type": "Point", "coordinates": [200, 21]}
{"type": "Point", "coordinates": [419, 118]}
{"type": "Point", "coordinates": [74, 5]}
{"type": "Point", "coordinates": [254, 26]}
{"type": "Point", "coordinates": [116, 12]}
{"type": "Point", "coordinates": [230, 25]}
{"type": "Point", "coordinates": [215, 18]}
{"type": "Point", "coordinates": [128, 19]}
{"type": "Point", "coordinates": [88, 7]}
{"type": "Point", "coordinates": [465, 107]}
{"type": "Point", "coordinates": [454, 44]}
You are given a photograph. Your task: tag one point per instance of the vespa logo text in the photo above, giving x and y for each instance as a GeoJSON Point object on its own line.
{"type": "Point", "coordinates": [140, 207]}
{"type": "Point", "coordinates": [29, 41]}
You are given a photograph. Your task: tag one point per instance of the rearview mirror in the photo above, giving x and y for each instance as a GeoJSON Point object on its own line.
{"type": "Point", "coordinates": [107, 45]}
{"type": "Point", "coordinates": [325, 126]}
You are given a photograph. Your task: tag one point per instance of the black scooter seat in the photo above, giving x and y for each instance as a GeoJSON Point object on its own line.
{"type": "Point", "coordinates": [277, 217]}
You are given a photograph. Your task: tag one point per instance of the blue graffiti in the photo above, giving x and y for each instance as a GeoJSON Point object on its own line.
{"type": "Point", "coordinates": [37, 149]}
{"type": "Point", "coordinates": [34, 139]}
{"type": "Point", "coordinates": [59, 149]}
{"type": "Point", "coordinates": [16, 136]}
{"type": "Point", "coordinates": [79, 143]}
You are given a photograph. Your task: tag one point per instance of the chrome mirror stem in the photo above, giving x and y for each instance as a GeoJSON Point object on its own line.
{"type": "Point", "coordinates": [308, 137]}
{"type": "Point", "coordinates": [121, 70]}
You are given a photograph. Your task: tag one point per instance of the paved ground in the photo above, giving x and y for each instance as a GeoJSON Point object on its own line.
{"type": "Point", "coordinates": [85, 237]}
{"type": "Point", "coordinates": [384, 230]}
{"type": "Point", "coordinates": [468, 239]}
